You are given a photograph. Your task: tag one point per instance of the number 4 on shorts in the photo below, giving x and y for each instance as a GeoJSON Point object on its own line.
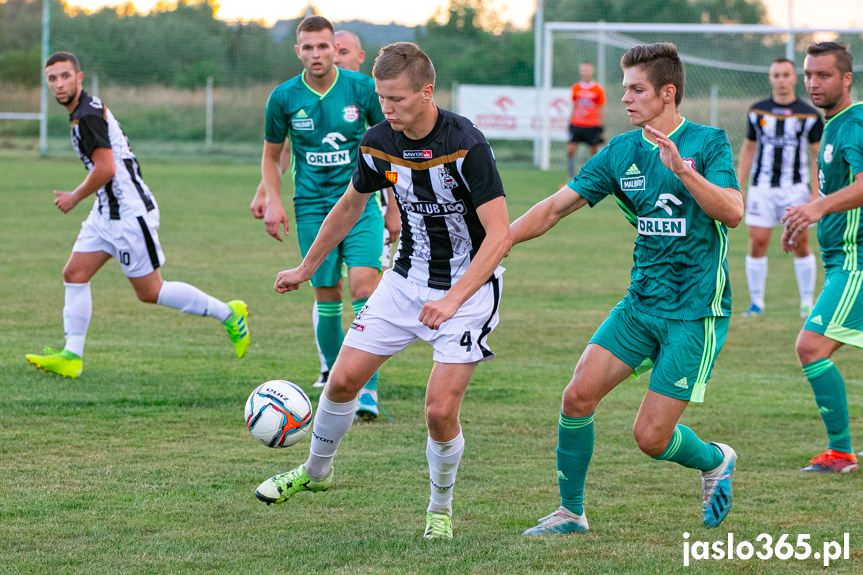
{"type": "Point", "coordinates": [466, 341]}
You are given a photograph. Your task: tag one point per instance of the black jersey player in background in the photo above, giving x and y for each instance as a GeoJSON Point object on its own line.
{"type": "Point", "coordinates": [122, 224]}
{"type": "Point", "coordinates": [782, 133]}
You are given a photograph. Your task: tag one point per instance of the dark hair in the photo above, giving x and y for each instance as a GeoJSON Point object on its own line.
{"type": "Point", "coordinates": [662, 64]}
{"type": "Point", "coordinates": [407, 58]}
{"type": "Point", "coordinates": [844, 60]}
{"type": "Point", "coordinates": [782, 61]}
{"type": "Point", "coordinates": [314, 24]}
{"type": "Point", "coordinates": [64, 57]}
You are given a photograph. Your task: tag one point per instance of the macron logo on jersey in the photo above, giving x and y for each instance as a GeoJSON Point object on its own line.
{"type": "Point", "coordinates": [417, 154]}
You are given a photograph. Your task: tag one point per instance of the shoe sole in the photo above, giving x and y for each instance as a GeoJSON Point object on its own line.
{"type": "Point", "coordinates": [847, 469]}
{"type": "Point", "coordinates": [267, 500]}
{"type": "Point", "coordinates": [70, 376]}
{"type": "Point", "coordinates": [366, 416]}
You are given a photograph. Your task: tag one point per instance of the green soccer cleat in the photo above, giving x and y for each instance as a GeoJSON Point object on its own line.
{"type": "Point", "coordinates": [561, 521]}
{"type": "Point", "coordinates": [238, 326]}
{"type": "Point", "coordinates": [438, 526]}
{"type": "Point", "coordinates": [63, 362]}
{"type": "Point", "coordinates": [280, 488]}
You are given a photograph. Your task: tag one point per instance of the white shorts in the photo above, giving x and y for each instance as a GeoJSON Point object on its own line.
{"type": "Point", "coordinates": [389, 323]}
{"type": "Point", "coordinates": [134, 242]}
{"type": "Point", "coordinates": [765, 206]}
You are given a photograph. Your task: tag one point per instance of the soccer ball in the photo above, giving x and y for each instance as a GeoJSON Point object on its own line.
{"type": "Point", "coordinates": [278, 413]}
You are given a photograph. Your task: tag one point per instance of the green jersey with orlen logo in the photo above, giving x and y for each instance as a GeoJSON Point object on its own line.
{"type": "Point", "coordinates": [325, 131]}
{"type": "Point", "coordinates": [680, 268]}
{"type": "Point", "coordinates": [840, 158]}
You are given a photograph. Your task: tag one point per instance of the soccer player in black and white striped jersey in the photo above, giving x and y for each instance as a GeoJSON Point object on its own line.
{"type": "Point", "coordinates": [444, 287]}
{"type": "Point", "coordinates": [783, 133]}
{"type": "Point", "coordinates": [122, 224]}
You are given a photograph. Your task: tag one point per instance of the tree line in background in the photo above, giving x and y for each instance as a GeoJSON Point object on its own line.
{"type": "Point", "coordinates": [182, 46]}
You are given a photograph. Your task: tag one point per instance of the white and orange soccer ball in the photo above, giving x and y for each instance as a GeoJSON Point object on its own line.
{"type": "Point", "coordinates": [278, 413]}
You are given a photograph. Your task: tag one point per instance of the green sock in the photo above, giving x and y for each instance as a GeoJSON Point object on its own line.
{"type": "Point", "coordinates": [689, 451]}
{"type": "Point", "coordinates": [329, 332]}
{"type": "Point", "coordinates": [574, 450]}
{"type": "Point", "coordinates": [829, 389]}
{"type": "Point", "coordinates": [357, 305]}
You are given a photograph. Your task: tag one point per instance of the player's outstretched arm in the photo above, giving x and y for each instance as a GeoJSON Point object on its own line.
{"type": "Point", "coordinates": [722, 204]}
{"type": "Point", "coordinates": [800, 217]}
{"type": "Point", "coordinates": [544, 215]}
{"type": "Point", "coordinates": [495, 221]}
{"type": "Point", "coordinates": [101, 174]}
{"type": "Point", "coordinates": [271, 173]}
{"type": "Point", "coordinates": [341, 220]}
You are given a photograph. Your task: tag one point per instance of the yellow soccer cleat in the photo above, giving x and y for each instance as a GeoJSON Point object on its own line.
{"type": "Point", "coordinates": [63, 363]}
{"type": "Point", "coordinates": [238, 326]}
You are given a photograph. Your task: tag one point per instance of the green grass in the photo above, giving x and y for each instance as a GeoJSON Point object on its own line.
{"type": "Point", "coordinates": [143, 464]}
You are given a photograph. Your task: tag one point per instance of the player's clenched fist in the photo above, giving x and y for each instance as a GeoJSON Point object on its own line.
{"type": "Point", "coordinates": [289, 280]}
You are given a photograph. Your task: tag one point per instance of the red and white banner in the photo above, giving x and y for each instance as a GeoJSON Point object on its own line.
{"type": "Point", "coordinates": [515, 112]}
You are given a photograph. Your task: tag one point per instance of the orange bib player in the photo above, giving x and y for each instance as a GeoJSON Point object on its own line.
{"type": "Point", "coordinates": [588, 101]}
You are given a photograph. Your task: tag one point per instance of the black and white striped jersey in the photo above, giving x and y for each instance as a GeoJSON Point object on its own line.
{"type": "Point", "coordinates": [94, 126]}
{"type": "Point", "coordinates": [783, 133]}
{"type": "Point", "coordinates": [438, 182]}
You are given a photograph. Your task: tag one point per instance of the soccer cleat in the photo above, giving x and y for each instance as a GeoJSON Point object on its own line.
{"type": "Point", "coordinates": [438, 526]}
{"type": "Point", "coordinates": [716, 488]}
{"type": "Point", "coordinates": [63, 362]}
{"type": "Point", "coordinates": [753, 311]}
{"type": "Point", "coordinates": [367, 405]}
{"type": "Point", "coordinates": [280, 488]}
{"type": "Point", "coordinates": [322, 379]}
{"type": "Point", "coordinates": [832, 461]}
{"type": "Point", "coordinates": [238, 326]}
{"type": "Point", "coordinates": [805, 310]}
{"type": "Point", "coordinates": [561, 521]}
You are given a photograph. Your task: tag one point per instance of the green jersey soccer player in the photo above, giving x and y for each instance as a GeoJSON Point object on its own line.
{"type": "Point", "coordinates": [675, 182]}
{"type": "Point", "coordinates": [837, 317]}
{"type": "Point", "coordinates": [324, 112]}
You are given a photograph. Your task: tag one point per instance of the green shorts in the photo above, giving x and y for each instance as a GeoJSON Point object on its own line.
{"type": "Point", "coordinates": [683, 351]}
{"type": "Point", "coordinates": [360, 248]}
{"type": "Point", "coordinates": [838, 313]}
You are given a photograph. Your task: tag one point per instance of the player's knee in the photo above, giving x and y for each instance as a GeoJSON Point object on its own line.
{"type": "Point", "coordinates": [577, 402]}
{"type": "Point", "coordinates": [72, 275]}
{"type": "Point", "coordinates": [649, 441]}
{"type": "Point", "coordinates": [807, 349]}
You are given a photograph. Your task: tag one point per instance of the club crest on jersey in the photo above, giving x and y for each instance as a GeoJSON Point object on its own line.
{"type": "Point", "coordinates": [392, 177]}
{"type": "Point", "coordinates": [828, 153]}
{"type": "Point", "coordinates": [446, 179]}
{"type": "Point", "coordinates": [351, 113]}
{"type": "Point", "coordinates": [689, 163]}
{"type": "Point", "coordinates": [417, 154]}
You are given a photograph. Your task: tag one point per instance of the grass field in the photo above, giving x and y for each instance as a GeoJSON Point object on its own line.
{"type": "Point", "coordinates": [143, 464]}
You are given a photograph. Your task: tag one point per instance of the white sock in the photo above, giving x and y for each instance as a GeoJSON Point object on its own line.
{"type": "Point", "coordinates": [756, 276]}
{"type": "Point", "coordinates": [324, 367]}
{"type": "Point", "coordinates": [189, 299]}
{"type": "Point", "coordinates": [804, 269]}
{"type": "Point", "coordinates": [77, 310]}
{"type": "Point", "coordinates": [332, 421]}
{"type": "Point", "coordinates": [443, 459]}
